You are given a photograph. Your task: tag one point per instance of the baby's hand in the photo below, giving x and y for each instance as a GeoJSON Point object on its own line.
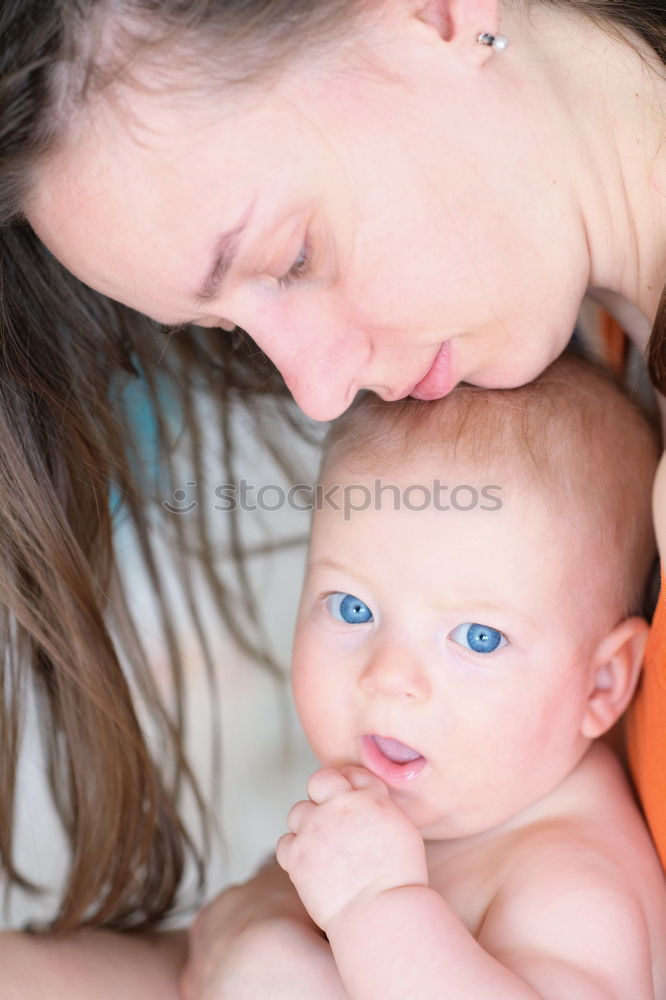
{"type": "Point", "coordinates": [349, 842]}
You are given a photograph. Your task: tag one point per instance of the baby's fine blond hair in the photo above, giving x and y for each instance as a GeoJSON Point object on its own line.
{"type": "Point", "coordinates": [572, 434]}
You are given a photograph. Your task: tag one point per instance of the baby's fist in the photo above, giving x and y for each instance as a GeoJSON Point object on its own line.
{"type": "Point", "coordinates": [349, 842]}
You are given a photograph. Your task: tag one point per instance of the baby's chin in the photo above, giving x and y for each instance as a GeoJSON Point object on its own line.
{"type": "Point", "coordinates": [455, 824]}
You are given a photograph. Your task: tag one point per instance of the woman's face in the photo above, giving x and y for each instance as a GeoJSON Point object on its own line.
{"type": "Point", "coordinates": [351, 221]}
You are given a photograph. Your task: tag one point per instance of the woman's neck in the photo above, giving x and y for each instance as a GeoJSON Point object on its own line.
{"type": "Point", "coordinates": [608, 110]}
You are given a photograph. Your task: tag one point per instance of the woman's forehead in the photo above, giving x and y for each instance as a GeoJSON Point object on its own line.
{"type": "Point", "coordinates": [118, 148]}
{"type": "Point", "coordinates": [131, 147]}
{"type": "Point", "coordinates": [101, 199]}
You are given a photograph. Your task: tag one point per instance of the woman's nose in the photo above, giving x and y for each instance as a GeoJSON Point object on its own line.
{"type": "Point", "coordinates": [323, 367]}
{"type": "Point", "coordinates": [396, 672]}
{"type": "Point", "coordinates": [321, 395]}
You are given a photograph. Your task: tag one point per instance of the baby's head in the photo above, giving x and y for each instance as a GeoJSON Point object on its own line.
{"type": "Point", "coordinates": [473, 628]}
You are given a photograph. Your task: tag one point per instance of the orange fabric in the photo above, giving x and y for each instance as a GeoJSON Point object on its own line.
{"type": "Point", "coordinates": [646, 729]}
{"type": "Point", "coordinates": [613, 341]}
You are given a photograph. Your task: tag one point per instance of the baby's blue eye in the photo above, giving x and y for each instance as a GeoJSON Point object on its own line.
{"type": "Point", "coordinates": [349, 609]}
{"type": "Point", "coordinates": [478, 638]}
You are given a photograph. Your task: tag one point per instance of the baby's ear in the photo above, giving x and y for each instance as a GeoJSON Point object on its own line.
{"type": "Point", "coordinates": [614, 672]}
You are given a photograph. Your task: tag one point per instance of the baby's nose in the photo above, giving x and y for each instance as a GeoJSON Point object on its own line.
{"type": "Point", "coordinates": [396, 672]}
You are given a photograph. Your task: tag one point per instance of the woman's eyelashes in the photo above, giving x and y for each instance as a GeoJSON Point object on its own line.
{"type": "Point", "coordinates": [478, 638]}
{"type": "Point", "coordinates": [347, 608]}
{"type": "Point", "coordinates": [300, 268]}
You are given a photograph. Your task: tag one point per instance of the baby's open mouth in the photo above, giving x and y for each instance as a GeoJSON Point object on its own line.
{"type": "Point", "coordinates": [396, 751]}
{"type": "Point", "coordinates": [391, 760]}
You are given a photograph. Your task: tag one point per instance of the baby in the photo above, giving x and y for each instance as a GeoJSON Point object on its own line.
{"type": "Point", "coordinates": [458, 652]}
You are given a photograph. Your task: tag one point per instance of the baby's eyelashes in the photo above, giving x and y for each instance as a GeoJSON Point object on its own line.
{"type": "Point", "coordinates": [348, 608]}
{"type": "Point", "coordinates": [478, 638]}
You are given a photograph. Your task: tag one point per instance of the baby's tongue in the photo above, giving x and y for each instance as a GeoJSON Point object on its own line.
{"type": "Point", "coordinates": [396, 751]}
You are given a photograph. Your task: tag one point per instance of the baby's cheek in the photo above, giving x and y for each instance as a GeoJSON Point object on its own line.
{"type": "Point", "coordinates": [311, 695]}
{"type": "Point", "coordinates": [323, 694]}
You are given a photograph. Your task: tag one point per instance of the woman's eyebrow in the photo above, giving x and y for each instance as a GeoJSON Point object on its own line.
{"type": "Point", "coordinates": [226, 248]}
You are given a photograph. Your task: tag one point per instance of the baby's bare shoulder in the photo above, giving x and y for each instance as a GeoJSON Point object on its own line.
{"type": "Point", "coordinates": [583, 891]}
{"type": "Point", "coordinates": [588, 834]}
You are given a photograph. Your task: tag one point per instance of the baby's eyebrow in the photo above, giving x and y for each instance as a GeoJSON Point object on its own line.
{"type": "Point", "coordinates": [327, 564]}
{"type": "Point", "coordinates": [465, 606]}
{"type": "Point", "coordinates": [485, 606]}
{"type": "Point", "coordinates": [318, 564]}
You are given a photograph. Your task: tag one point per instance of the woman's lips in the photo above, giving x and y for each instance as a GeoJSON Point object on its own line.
{"type": "Point", "coordinates": [389, 759]}
{"type": "Point", "coordinates": [438, 380]}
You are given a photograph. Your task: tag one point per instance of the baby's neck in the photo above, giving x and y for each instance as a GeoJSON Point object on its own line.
{"type": "Point", "coordinates": [568, 796]}
{"type": "Point", "coordinates": [591, 806]}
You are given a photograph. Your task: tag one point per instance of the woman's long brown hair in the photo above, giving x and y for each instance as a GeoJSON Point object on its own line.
{"type": "Point", "coordinates": [66, 441]}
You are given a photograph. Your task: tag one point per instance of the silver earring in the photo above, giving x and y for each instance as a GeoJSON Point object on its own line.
{"type": "Point", "coordinates": [498, 42]}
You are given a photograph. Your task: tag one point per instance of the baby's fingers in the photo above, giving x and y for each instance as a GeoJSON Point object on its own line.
{"type": "Point", "coordinates": [360, 777]}
{"type": "Point", "coordinates": [298, 814]}
{"type": "Point", "coordinates": [325, 784]}
{"type": "Point", "coordinates": [283, 850]}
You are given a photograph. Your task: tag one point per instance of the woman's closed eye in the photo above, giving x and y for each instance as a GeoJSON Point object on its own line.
{"type": "Point", "coordinates": [349, 609]}
{"type": "Point", "coordinates": [478, 638]}
{"type": "Point", "coordinates": [300, 268]}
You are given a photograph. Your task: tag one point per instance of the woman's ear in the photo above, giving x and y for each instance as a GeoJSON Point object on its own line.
{"type": "Point", "coordinates": [615, 669]}
{"type": "Point", "coordinates": [460, 22]}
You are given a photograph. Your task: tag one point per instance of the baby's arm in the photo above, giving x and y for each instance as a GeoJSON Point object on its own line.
{"type": "Point", "coordinates": [570, 930]}
{"type": "Point", "coordinates": [554, 942]}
